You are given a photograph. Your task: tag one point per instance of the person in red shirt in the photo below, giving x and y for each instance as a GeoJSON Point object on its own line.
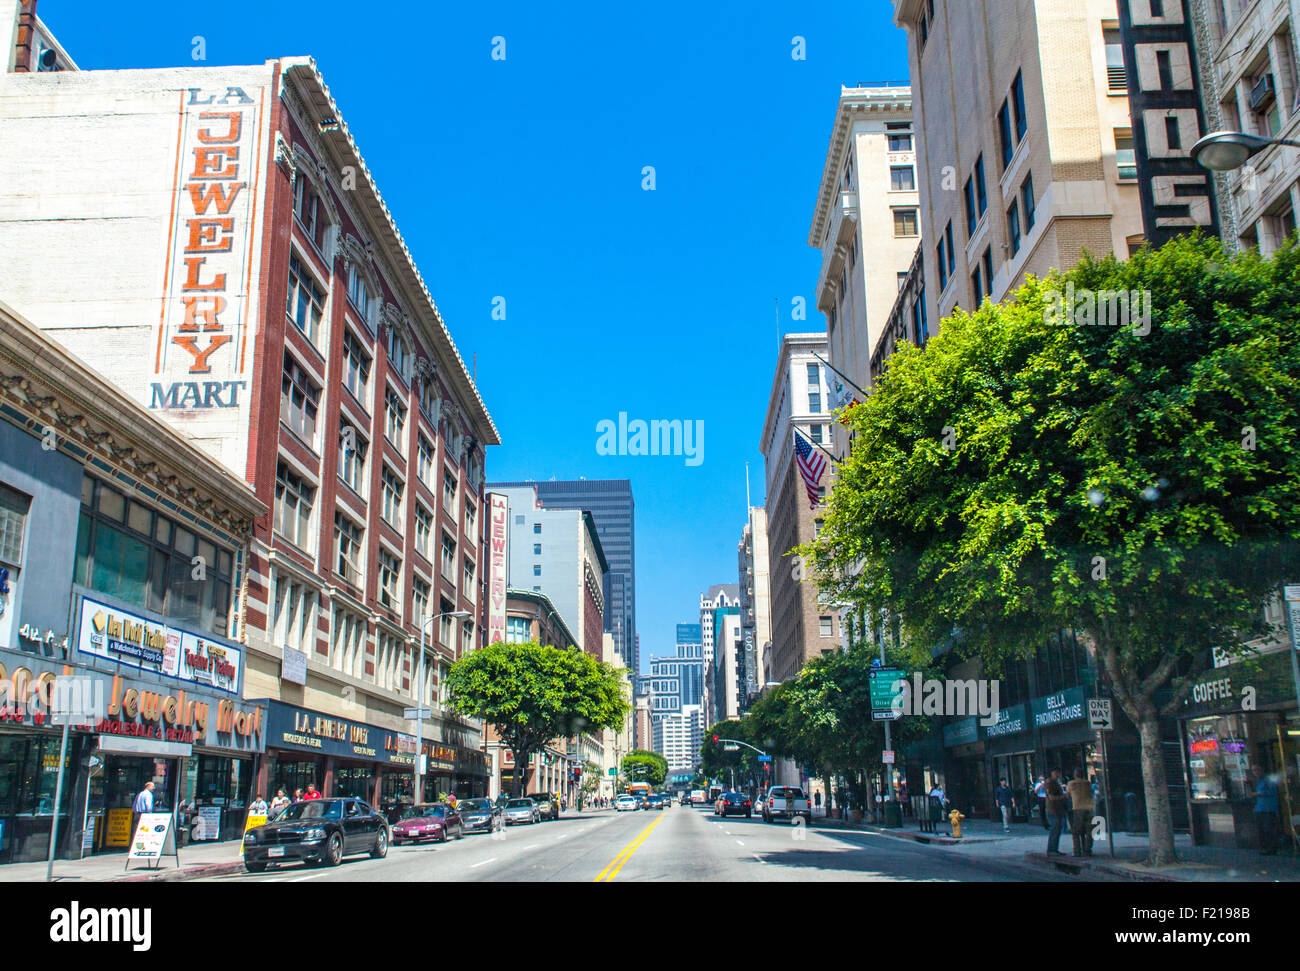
{"type": "Point", "coordinates": [312, 792]}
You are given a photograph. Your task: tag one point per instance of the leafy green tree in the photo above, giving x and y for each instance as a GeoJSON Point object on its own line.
{"type": "Point", "coordinates": [640, 765]}
{"type": "Point", "coordinates": [1023, 474]}
{"type": "Point", "coordinates": [532, 693]}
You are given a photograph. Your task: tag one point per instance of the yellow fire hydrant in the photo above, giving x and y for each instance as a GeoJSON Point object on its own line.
{"type": "Point", "coordinates": [955, 817]}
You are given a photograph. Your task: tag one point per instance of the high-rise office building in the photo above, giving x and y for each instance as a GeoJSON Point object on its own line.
{"type": "Point", "coordinates": [755, 603]}
{"type": "Point", "coordinates": [611, 505]}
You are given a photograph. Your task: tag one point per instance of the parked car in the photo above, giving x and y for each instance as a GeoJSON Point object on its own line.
{"type": "Point", "coordinates": [786, 802]}
{"type": "Point", "coordinates": [733, 804]}
{"type": "Point", "coordinates": [317, 831]}
{"type": "Point", "coordinates": [480, 815]}
{"type": "Point", "coordinates": [433, 821]}
{"type": "Point", "coordinates": [548, 805]}
{"type": "Point", "coordinates": [522, 811]}
{"type": "Point", "coordinates": [626, 803]}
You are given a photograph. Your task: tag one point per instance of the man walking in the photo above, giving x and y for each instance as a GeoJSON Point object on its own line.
{"type": "Point", "coordinates": [1082, 808]}
{"type": "Point", "coordinates": [1006, 801]}
{"type": "Point", "coordinates": [1055, 805]}
{"type": "Point", "coordinates": [1266, 807]}
{"type": "Point", "coordinates": [143, 804]}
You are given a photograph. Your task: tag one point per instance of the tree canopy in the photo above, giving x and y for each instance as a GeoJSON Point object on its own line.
{"type": "Point", "coordinates": [532, 694]}
{"type": "Point", "coordinates": [640, 765]}
{"type": "Point", "coordinates": [1025, 472]}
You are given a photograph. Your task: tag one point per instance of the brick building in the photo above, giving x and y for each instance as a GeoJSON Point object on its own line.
{"type": "Point", "coordinates": [239, 275]}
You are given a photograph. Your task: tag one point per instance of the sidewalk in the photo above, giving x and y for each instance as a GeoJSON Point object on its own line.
{"type": "Point", "coordinates": [1027, 843]}
{"type": "Point", "coordinates": [197, 860]}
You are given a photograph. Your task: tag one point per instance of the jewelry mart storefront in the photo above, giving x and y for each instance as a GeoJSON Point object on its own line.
{"type": "Point", "coordinates": [149, 731]}
{"type": "Point", "coordinates": [340, 756]}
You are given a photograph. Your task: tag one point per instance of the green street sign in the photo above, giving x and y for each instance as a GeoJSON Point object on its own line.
{"type": "Point", "coordinates": [886, 685]}
{"type": "Point", "coordinates": [613, 771]}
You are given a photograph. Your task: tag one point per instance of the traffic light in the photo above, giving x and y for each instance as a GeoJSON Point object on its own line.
{"type": "Point", "coordinates": [715, 740]}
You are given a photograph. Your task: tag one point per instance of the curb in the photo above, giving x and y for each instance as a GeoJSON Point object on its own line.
{"type": "Point", "coordinates": [898, 834]}
{"type": "Point", "coordinates": [185, 873]}
{"type": "Point", "coordinates": [1090, 869]}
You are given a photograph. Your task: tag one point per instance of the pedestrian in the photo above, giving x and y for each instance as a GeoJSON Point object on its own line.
{"type": "Point", "coordinates": [1040, 794]}
{"type": "Point", "coordinates": [904, 801]}
{"type": "Point", "coordinates": [312, 792]}
{"type": "Point", "coordinates": [297, 795]}
{"type": "Point", "coordinates": [279, 802]}
{"type": "Point", "coordinates": [143, 804]}
{"type": "Point", "coordinates": [1006, 802]}
{"type": "Point", "coordinates": [1082, 809]}
{"type": "Point", "coordinates": [1266, 808]}
{"type": "Point", "coordinates": [258, 806]}
{"type": "Point", "coordinates": [937, 801]}
{"type": "Point", "coordinates": [1055, 800]}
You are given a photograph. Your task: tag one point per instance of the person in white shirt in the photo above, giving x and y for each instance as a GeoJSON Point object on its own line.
{"type": "Point", "coordinates": [278, 803]}
{"type": "Point", "coordinates": [258, 807]}
{"type": "Point", "coordinates": [143, 804]}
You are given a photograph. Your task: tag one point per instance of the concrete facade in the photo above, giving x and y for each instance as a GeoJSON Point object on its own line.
{"type": "Point", "coordinates": [755, 603]}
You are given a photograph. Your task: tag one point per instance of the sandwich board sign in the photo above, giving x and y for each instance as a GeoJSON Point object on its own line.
{"type": "Point", "coordinates": [154, 838]}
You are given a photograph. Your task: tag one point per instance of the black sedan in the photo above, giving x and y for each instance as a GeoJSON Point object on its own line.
{"type": "Point", "coordinates": [480, 815]}
{"type": "Point", "coordinates": [730, 803]}
{"type": "Point", "coordinates": [319, 832]}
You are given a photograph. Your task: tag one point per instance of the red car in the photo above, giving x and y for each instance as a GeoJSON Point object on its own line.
{"type": "Point", "coordinates": [733, 803]}
{"type": "Point", "coordinates": [433, 821]}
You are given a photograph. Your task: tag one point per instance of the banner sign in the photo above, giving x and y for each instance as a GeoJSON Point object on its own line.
{"type": "Point", "coordinates": [302, 729]}
{"type": "Point", "coordinates": [1064, 706]}
{"type": "Point", "coordinates": [130, 639]}
{"type": "Point", "coordinates": [154, 838]}
{"type": "Point", "coordinates": [498, 549]}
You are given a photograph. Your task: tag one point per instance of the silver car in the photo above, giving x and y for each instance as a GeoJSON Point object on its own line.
{"type": "Point", "coordinates": [522, 811]}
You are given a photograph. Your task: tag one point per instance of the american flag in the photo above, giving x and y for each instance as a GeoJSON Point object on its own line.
{"type": "Point", "coordinates": [811, 466]}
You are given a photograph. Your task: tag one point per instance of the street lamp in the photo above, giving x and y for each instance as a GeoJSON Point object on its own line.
{"type": "Point", "coordinates": [1223, 151]}
{"type": "Point", "coordinates": [419, 701]}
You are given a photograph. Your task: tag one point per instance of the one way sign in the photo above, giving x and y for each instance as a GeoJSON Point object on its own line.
{"type": "Point", "coordinates": [1099, 714]}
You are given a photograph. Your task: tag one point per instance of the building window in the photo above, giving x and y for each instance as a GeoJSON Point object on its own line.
{"type": "Point", "coordinates": [1005, 145]}
{"type": "Point", "coordinates": [969, 194]}
{"type": "Point", "coordinates": [421, 595]}
{"type": "Point", "coordinates": [293, 616]}
{"type": "Point", "coordinates": [976, 285]}
{"type": "Point", "coordinates": [537, 569]}
{"type": "Point", "coordinates": [1013, 228]}
{"type": "Point", "coordinates": [352, 459]}
{"type": "Point", "coordinates": [307, 207]}
{"type": "Point", "coordinates": [293, 502]}
{"type": "Point", "coordinates": [1027, 201]}
{"type": "Point", "coordinates": [816, 433]}
{"type": "Point", "coordinates": [981, 190]}
{"type": "Point", "coordinates": [449, 493]}
{"type": "Point", "coordinates": [943, 265]}
{"type": "Point", "coordinates": [899, 141]}
{"type": "Point", "coordinates": [358, 292]}
{"type": "Point", "coordinates": [424, 462]}
{"type": "Point", "coordinates": [906, 223]}
{"type": "Point", "coordinates": [1116, 78]}
{"type": "Point", "coordinates": [390, 578]}
{"type": "Point", "coordinates": [952, 250]}
{"type": "Point", "coordinates": [537, 528]}
{"type": "Point", "coordinates": [1018, 104]}
{"type": "Point", "coordinates": [394, 418]}
{"type": "Point", "coordinates": [429, 397]}
{"type": "Point", "coordinates": [398, 355]}
{"type": "Point", "coordinates": [448, 558]}
{"type": "Point", "coordinates": [902, 178]}
{"type": "Point", "coordinates": [471, 516]}
{"type": "Point", "coordinates": [814, 402]}
{"type": "Point", "coordinates": [537, 549]}
{"type": "Point", "coordinates": [13, 525]}
{"type": "Point", "coordinates": [988, 271]}
{"type": "Point", "coordinates": [1125, 155]}
{"type": "Point", "coordinates": [814, 375]}
{"type": "Point", "coordinates": [517, 631]}
{"type": "Point", "coordinates": [392, 498]}
{"type": "Point", "coordinates": [356, 367]}
{"type": "Point", "coordinates": [128, 551]}
{"type": "Point", "coordinates": [306, 300]}
{"type": "Point", "coordinates": [349, 541]}
{"type": "Point", "coordinates": [468, 577]}
{"type": "Point", "coordinates": [824, 627]}
{"type": "Point", "coordinates": [423, 530]}
{"type": "Point", "coordinates": [902, 280]}
{"type": "Point", "coordinates": [298, 401]}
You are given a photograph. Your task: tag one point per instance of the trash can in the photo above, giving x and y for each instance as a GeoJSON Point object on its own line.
{"type": "Point", "coordinates": [893, 815]}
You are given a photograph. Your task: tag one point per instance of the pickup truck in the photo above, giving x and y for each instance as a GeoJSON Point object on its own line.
{"type": "Point", "coordinates": [785, 802]}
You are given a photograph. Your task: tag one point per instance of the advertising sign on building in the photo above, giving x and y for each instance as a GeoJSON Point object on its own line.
{"type": "Point", "coordinates": [203, 349]}
{"type": "Point", "coordinates": [130, 639]}
{"type": "Point", "coordinates": [293, 665]}
{"type": "Point", "coordinates": [154, 837]}
{"type": "Point", "coordinates": [498, 541]}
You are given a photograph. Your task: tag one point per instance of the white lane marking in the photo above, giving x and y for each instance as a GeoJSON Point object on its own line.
{"type": "Point", "coordinates": [314, 876]}
{"type": "Point", "coordinates": [483, 863]}
{"type": "Point", "coordinates": [532, 846]}
{"type": "Point", "coordinates": [759, 858]}
{"type": "Point", "coordinates": [739, 843]}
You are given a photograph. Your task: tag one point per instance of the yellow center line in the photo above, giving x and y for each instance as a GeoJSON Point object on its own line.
{"type": "Point", "coordinates": [611, 871]}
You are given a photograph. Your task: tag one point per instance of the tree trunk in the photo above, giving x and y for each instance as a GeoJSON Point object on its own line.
{"type": "Point", "coordinates": [1160, 830]}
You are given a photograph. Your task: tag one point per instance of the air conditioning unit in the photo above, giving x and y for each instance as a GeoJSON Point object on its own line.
{"type": "Point", "coordinates": [1263, 93]}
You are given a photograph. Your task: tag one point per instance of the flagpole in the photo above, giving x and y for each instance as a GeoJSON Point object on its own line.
{"type": "Point", "coordinates": [838, 371]}
{"type": "Point", "coordinates": [818, 447]}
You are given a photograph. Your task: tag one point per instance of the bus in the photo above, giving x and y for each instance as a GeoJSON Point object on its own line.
{"type": "Point", "coordinates": [639, 790]}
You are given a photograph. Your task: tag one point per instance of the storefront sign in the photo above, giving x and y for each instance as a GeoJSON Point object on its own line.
{"type": "Point", "coordinates": [311, 731]}
{"type": "Point", "coordinates": [134, 709]}
{"type": "Point", "coordinates": [149, 645]}
{"type": "Point", "coordinates": [1010, 721]}
{"type": "Point", "coordinates": [961, 732]}
{"type": "Point", "coordinates": [498, 538]}
{"type": "Point", "coordinates": [1064, 706]}
{"type": "Point", "coordinates": [117, 831]}
{"type": "Point", "coordinates": [1223, 689]}
{"type": "Point", "coordinates": [209, 827]}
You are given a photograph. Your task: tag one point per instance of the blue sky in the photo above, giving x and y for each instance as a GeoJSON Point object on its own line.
{"type": "Point", "coordinates": [522, 178]}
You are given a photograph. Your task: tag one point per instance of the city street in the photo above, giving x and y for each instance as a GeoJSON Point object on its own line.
{"type": "Point", "coordinates": [677, 844]}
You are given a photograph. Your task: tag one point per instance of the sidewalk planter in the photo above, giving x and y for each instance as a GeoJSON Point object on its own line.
{"type": "Point", "coordinates": [855, 816]}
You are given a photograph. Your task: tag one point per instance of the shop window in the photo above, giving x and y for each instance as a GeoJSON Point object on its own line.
{"type": "Point", "coordinates": [1218, 759]}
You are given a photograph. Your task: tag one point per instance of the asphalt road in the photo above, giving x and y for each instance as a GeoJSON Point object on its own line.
{"type": "Point", "coordinates": [676, 844]}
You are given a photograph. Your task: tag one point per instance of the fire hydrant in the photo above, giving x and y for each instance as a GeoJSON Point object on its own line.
{"type": "Point", "coordinates": [955, 817]}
